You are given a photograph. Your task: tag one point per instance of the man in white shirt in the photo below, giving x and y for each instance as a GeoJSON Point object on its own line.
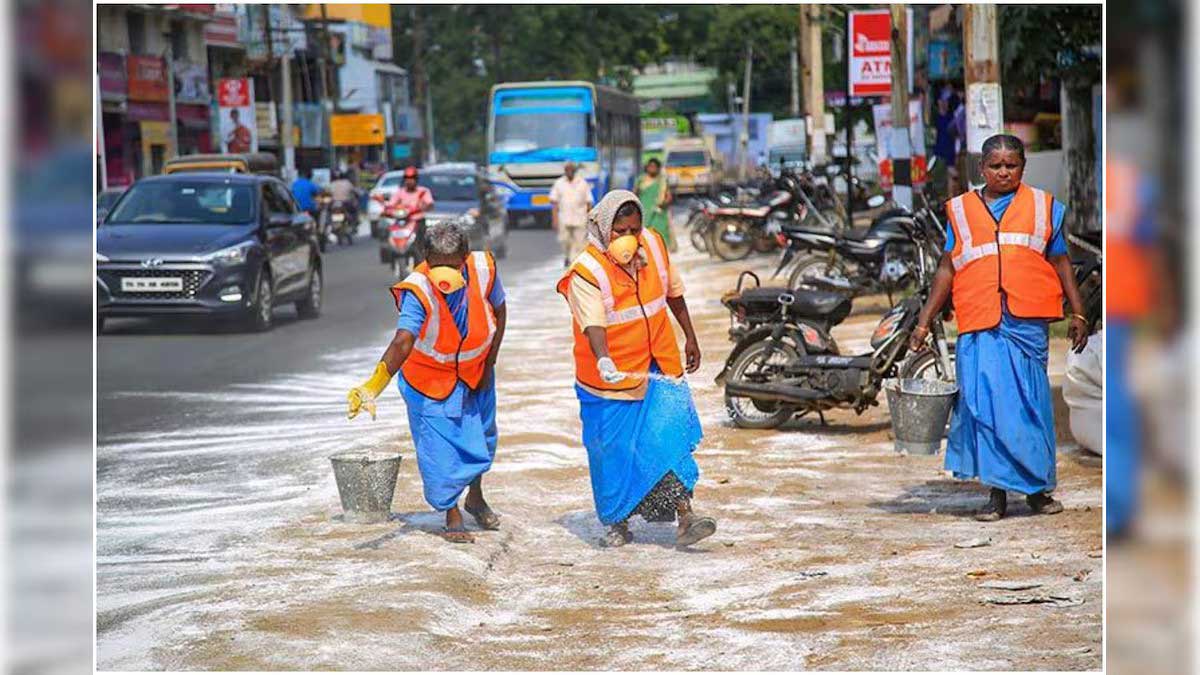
{"type": "Point", "coordinates": [571, 197]}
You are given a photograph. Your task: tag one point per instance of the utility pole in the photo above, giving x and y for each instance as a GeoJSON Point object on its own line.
{"type": "Point", "coordinates": [793, 50]}
{"type": "Point", "coordinates": [169, 60]}
{"type": "Point", "coordinates": [901, 145]}
{"type": "Point", "coordinates": [420, 78]}
{"type": "Point", "coordinates": [745, 140]}
{"type": "Point", "coordinates": [330, 94]}
{"type": "Point", "coordinates": [814, 78]}
{"type": "Point", "coordinates": [981, 70]}
{"type": "Point", "coordinates": [285, 130]}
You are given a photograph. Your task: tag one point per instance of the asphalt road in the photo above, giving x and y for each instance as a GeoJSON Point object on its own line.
{"type": "Point", "coordinates": [202, 356]}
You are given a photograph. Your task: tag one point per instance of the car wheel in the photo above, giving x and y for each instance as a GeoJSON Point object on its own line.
{"type": "Point", "coordinates": [262, 312]}
{"type": "Point", "coordinates": [310, 306]}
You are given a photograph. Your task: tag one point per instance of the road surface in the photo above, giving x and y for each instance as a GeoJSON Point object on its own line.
{"type": "Point", "coordinates": [220, 543]}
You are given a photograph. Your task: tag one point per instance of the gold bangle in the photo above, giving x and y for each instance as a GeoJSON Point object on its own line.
{"type": "Point", "coordinates": [1080, 317]}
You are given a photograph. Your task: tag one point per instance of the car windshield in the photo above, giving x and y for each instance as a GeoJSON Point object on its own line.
{"type": "Point", "coordinates": [105, 200]}
{"type": "Point", "coordinates": [185, 201]}
{"type": "Point", "coordinates": [526, 132]}
{"type": "Point", "coordinates": [450, 187]}
{"type": "Point", "coordinates": [686, 158]}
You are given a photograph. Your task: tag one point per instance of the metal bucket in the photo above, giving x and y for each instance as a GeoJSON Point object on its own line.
{"type": "Point", "coordinates": [920, 410]}
{"type": "Point", "coordinates": [366, 482]}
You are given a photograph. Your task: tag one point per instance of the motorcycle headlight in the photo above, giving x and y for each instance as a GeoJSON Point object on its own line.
{"type": "Point", "coordinates": [234, 255]}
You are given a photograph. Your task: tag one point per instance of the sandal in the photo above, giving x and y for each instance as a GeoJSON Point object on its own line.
{"type": "Point", "coordinates": [457, 535]}
{"type": "Point", "coordinates": [693, 529]}
{"type": "Point", "coordinates": [617, 535]}
{"type": "Point", "coordinates": [485, 517]}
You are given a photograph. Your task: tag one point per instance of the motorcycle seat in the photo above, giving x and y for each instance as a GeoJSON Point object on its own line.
{"type": "Point", "coordinates": [824, 305]}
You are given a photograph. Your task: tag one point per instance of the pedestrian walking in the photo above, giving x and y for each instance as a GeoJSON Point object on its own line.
{"type": "Point", "coordinates": [640, 425]}
{"type": "Point", "coordinates": [571, 197]}
{"type": "Point", "coordinates": [655, 197]}
{"type": "Point", "coordinates": [452, 318]}
{"type": "Point", "coordinates": [1006, 267]}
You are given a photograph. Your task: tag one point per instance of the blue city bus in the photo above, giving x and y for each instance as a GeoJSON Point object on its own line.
{"type": "Point", "coordinates": [534, 127]}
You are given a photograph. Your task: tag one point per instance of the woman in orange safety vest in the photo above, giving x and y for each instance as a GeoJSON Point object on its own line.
{"type": "Point", "coordinates": [639, 422]}
{"type": "Point", "coordinates": [1006, 267]}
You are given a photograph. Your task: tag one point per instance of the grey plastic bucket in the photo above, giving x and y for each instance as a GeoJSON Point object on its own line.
{"type": "Point", "coordinates": [366, 482]}
{"type": "Point", "coordinates": [920, 410]}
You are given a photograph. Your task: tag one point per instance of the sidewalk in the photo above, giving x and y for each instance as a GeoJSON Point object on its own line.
{"type": "Point", "coordinates": [831, 553]}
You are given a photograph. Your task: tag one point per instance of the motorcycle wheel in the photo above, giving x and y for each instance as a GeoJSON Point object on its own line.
{"type": "Point", "coordinates": [727, 250]}
{"type": "Point", "coordinates": [699, 237]}
{"type": "Point", "coordinates": [748, 413]}
{"type": "Point", "coordinates": [814, 266]}
{"type": "Point", "coordinates": [924, 366]}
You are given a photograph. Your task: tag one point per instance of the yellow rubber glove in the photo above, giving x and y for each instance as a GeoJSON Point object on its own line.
{"type": "Point", "coordinates": [364, 395]}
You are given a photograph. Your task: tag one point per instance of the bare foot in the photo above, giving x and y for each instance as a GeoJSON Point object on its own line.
{"type": "Point", "coordinates": [454, 531]}
{"type": "Point", "coordinates": [478, 507]}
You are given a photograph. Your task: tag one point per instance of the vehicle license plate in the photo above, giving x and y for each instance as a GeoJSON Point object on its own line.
{"type": "Point", "coordinates": [151, 284]}
{"type": "Point", "coordinates": [541, 200]}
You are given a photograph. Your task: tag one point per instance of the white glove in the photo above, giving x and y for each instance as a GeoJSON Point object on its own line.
{"type": "Point", "coordinates": [608, 370]}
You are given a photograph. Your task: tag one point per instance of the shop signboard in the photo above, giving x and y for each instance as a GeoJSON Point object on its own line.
{"type": "Point", "coordinates": [356, 129]}
{"type": "Point", "coordinates": [113, 77]}
{"type": "Point", "coordinates": [235, 107]}
{"type": "Point", "coordinates": [191, 83]}
{"type": "Point", "coordinates": [147, 78]}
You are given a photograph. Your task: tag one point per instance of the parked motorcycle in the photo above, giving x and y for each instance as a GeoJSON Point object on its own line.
{"type": "Point", "coordinates": [401, 246]}
{"type": "Point", "coordinates": [793, 366]}
{"type": "Point", "coordinates": [881, 258]}
{"type": "Point", "coordinates": [751, 308]}
{"type": "Point", "coordinates": [740, 229]}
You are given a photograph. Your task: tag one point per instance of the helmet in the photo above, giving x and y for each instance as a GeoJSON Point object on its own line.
{"type": "Point", "coordinates": [410, 172]}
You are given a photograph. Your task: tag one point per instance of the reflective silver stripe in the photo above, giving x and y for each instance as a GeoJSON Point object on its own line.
{"type": "Point", "coordinates": [962, 230]}
{"type": "Point", "coordinates": [655, 247]}
{"type": "Point", "coordinates": [969, 252]}
{"type": "Point", "coordinates": [482, 270]}
{"type": "Point", "coordinates": [635, 313]}
{"type": "Point", "coordinates": [1040, 225]}
{"type": "Point", "coordinates": [601, 276]}
{"type": "Point", "coordinates": [974, 253]}
{"type": "Point", "coordinates": [1016, 239]}
{"type": "Point", "coordinates": [425, 343]}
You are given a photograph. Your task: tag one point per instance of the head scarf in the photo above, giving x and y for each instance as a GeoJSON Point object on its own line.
{"type": "Point", "coordinates": [600, 218]}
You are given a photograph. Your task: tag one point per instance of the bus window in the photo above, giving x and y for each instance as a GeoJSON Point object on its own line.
{"type": "Point", "coordinates": [534, 131]}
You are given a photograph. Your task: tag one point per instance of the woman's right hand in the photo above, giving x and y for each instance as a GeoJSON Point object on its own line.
{"type": "Point", "coordinates": [916, 339]}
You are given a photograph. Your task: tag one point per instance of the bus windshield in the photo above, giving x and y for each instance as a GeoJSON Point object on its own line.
{"type": "Point", "coordinates": [529, 131]}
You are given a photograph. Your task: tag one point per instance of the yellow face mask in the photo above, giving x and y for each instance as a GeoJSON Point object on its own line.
{"type": "Point", "coordinates": [446, 279]}
{"type": "Point", "coordinates": [623, 248]}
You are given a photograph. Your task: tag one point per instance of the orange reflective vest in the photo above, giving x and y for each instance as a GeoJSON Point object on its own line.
{"type": "Point", "coordinates": [1127, 288]}
{"type": "Point", "coordinates": [639, 329]}
{"type": "Point", "coordinates": [1006, 258]}
{"type": "Point", "coordinates": [440, 356]}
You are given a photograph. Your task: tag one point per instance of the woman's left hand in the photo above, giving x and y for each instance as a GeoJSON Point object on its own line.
{"type": "Point", "coordinates": [1078, 333]}
{"type": "Point", "coordinates": [691, 350]}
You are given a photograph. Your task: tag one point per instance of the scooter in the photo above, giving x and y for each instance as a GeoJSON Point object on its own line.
{"type": "Point", "coordinates": [793, 366]}
{"type": "Point", "coordinates": [400, 248]}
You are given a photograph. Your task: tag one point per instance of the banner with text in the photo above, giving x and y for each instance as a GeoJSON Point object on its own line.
{"type": "Point", "coordinates": [870, 51]}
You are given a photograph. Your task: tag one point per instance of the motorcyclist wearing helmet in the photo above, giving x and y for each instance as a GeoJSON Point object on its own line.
{"type": "Point", "coordinates": [412, 197]}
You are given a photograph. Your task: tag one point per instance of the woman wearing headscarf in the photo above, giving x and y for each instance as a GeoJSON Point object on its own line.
{"type": "Point", "coordinates": [654, 196]}
{"type": "Point", "coordinates": [639, 422]}
{"type": "Point", "coordinates": [1006, 268]}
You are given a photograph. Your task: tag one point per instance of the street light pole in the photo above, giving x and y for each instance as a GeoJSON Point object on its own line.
{"type": "Point", "coordinates": [169, 59]}
{"type": "Point", "coordinates": [745, 140]}
{"type": "Point", "coordinates": [285, 132]}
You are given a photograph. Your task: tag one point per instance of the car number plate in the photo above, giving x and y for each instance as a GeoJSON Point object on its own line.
{"type": "Point", "coordinates": [151, 284]}
{"type": "Point", "coordinates": [541, 200]}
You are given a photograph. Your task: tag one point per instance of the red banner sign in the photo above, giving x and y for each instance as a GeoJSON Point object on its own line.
{"type": "Point", "coordinates": [871, 53]}
{"type": "Point", "coordinates": [147, 78]}
{"type": "Point", "coordinates": [233, 93]}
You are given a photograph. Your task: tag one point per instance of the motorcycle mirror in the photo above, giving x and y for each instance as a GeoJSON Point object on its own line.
{"type": "Point", "coordinates": [876, 201]}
